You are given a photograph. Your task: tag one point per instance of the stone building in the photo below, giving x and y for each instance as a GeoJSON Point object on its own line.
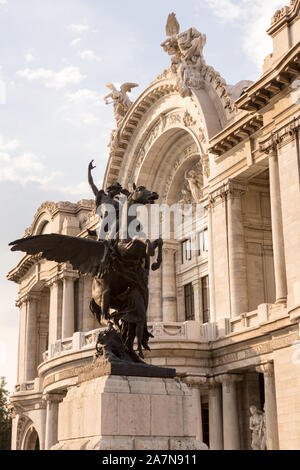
{"type": "Point", "coordinates": [225, 315]}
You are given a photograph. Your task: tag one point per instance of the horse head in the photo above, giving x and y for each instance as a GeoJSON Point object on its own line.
{"type": "Point", "coordinates": [142, 196]}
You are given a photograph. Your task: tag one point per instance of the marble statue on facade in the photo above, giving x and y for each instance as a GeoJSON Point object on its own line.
{"type": "Point", "coordinates": [258, 429]}
{"type": "Point", "coordinates": [186, 51]}
{"type": "Point", "coordinates": [120, 100]}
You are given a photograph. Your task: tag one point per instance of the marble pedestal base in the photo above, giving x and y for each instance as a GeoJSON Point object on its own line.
{"type": "Point", "coordinates": [128, 413]}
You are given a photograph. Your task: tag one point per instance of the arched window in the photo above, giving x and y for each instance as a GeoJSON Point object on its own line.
{"type": "Point", "coordinates": [45, 229]}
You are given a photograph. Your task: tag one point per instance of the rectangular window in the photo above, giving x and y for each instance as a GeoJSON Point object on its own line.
{"type": "Point", "coordinates": [186, 250]}
{"type": "Point", "coordinates": [189, 302]}
{"type": "Point", "coordinates": [205, 299]}
{"type": "Point", "coordinates": [203, 242]}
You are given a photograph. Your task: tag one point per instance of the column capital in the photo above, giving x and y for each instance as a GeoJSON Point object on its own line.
{"type": "Point", "coordinates": [54, 280]}
{"type": "Point", "coordinates": [231, 189]}
{"type": "Point", "coordinates": [228, 379]}
{"type": "Point", "coordinates": [266, 369]}
{"type": "Point", "coordinates": [29, 297]}
{"type": "Point", "coordinates": [68, 276]}
{"type": "Point", "coordinates": [194, 380]}
{"type": "Point", "coordinates": [54, 397]}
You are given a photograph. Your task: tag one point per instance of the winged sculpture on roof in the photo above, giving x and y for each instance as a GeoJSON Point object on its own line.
{"type": "Point", "coordinates": [120, 99]}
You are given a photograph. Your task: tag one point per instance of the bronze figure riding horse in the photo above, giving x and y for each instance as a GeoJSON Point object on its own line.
{"type": "Point", "coordinates": [120, 268]}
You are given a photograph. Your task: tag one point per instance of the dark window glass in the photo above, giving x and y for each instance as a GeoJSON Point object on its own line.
{"type": "Point", "coordinates": [205, 423]}
{"type": "Point", "coordinates": [189, 302]}
{"type": "Point", "coordinates": [205, 299]}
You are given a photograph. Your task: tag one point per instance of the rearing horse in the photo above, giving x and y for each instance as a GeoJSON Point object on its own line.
{"type": "Point", "coordinates": [122, 284]}
{"type": "Point", "coordinates": [120, 278]}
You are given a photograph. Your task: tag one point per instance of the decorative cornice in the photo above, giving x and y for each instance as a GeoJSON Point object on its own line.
{"type": "Point", "coordinates": [22, 268]}
{"type": "Point", "coordinates": [258, 95]}
{"type": "Point", "coordinates": [234, 134]}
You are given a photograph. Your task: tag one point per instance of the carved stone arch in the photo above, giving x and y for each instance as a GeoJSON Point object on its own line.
{"type": "Point", "coordinates": [43, 214]}
{"type": "Point", "coordinates": [175, 148]}
{"type": "Point", "coordinates": [23, 424]}
{"type": "Point", "coordinates": [30, 439]}
{"type": "Point", "coordinates": [198, 116]}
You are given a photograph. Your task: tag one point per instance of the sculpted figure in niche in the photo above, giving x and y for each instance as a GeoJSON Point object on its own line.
{"type": "Point", "coordinates": [258, 429]}
{"type": "Point", "coordinates": [195, 180]}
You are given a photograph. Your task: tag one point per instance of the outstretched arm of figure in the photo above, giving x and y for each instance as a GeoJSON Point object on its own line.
{"type": "Point", "coordinates": [106, 98]}
{"type": "Point", "coordinates": [90, 179]}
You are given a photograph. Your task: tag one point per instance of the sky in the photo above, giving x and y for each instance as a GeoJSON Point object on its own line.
{"type": "Point", "coordinates": [56, 56]}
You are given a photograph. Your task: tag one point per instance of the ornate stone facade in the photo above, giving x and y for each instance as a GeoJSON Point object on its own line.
{"type": "Point", "coordinates": [225, 314]}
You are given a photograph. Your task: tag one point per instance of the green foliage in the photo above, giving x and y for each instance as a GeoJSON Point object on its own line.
{"type": "Point", "coordinates": [5, 417]}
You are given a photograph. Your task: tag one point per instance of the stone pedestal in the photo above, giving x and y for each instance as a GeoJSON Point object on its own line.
{"type": "Point", "coordinates": [128, 413]}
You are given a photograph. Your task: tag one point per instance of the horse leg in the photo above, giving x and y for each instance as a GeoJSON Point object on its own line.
{"type": "Point", "coordinates": [140, 334]}
{"type": "Point", "coordinates": [158, 244]}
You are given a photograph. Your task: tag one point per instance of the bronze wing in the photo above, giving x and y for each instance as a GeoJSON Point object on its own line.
{"type": "Point", "coordinates": [85, 255]}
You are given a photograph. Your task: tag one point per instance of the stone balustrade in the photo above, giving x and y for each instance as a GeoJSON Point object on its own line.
{"type": "Point", "coordinates": [177, 331]}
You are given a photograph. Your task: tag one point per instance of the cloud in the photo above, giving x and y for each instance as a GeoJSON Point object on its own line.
{"type": "Point", "coordinates": [75, 42]}
{"type": "Point", "coordinates": [29, 56]}
{"type": "Point", "coordinates": [226, 10]}
{"type": "Point", "coordinates": [82, 190]}
{"type": "Point", "coordinates": [89, 55]}
{"type": "Point", "coordinates": [3, 2]}
{"type": "Point", "coordinates": [254, 18]}
{"type": "Point", "coordinates": [83, 107]}
{"type": "Point", "coordinates": [23, 167]}
{"type": "Point", "coordinates": [52, 79]}
{"type": "Point", "coordinates": [85, 96]}
{"type": "Point", "coordinates": [79, 28]}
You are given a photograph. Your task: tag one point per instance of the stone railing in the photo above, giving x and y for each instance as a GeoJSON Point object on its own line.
{"type": "Point", "coordinates": [264, 314]}
{"type": "Point", "coordinates": [166, 332]}
{"type": "Point", "coordinates": [189, 331]}
{"type": "Point", "coordinates": [30, 386]}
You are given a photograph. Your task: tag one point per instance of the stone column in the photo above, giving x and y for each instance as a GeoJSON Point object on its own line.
{"type": "Point", "coordinates": [22, 340]}
{"type": "Point", "coordinates": [196, 382]}
{"type": "Point", "coordinates": [169, 284]}
{"type": "Point", "coordinates": [54, 310]}
{"type": "Point", "coordinates": [51, 436]}
{"type": "Point", "coordinates": [68, 319]}
{"type": "Point", "coordinates": [88, 320]}
{"type": "Point", "coordinates": [211, 268]}
{"type": "Point", "coordinates": [231, 430]}
{"type": "Point", "coordinates": [215, 416]}
{"type": "Point", "coordinates": [31, 338]}
{"type": "Point", "coordinates": [277, 229]}
{"type": "Point", "coordinates": [197, 300]}
{"type": "Point", "coordinates": [237, 252]}
{"type": "Point", "coordinates": [270, 405]}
